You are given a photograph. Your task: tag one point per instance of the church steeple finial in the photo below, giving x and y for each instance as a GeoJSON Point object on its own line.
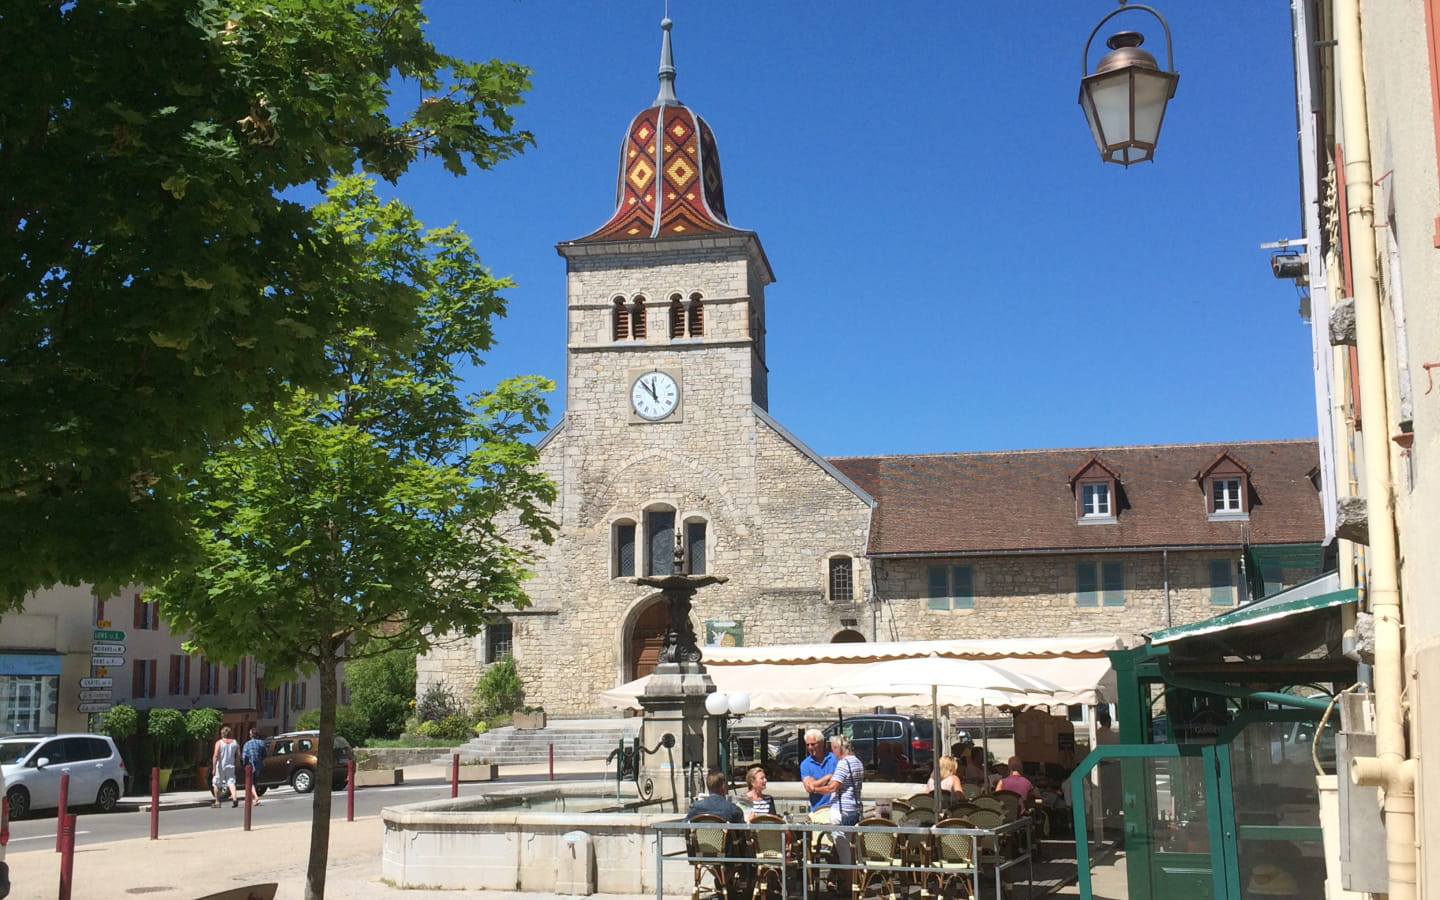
{"type": "Point", "coordinates": [666, 97]}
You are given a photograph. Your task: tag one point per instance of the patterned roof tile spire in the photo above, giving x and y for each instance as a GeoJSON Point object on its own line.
{"type": "Point", "coordinates": [669, 184]}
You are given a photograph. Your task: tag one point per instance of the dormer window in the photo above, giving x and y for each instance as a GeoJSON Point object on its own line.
{"type": "Point", "coordinates": [1226, 482]}
{"type": "Point", "coordinates": [1095, 499]}
{"type": "Point", "coordinates": [1097, 493]}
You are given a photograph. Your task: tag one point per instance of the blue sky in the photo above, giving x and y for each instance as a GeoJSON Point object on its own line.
{"type": "Point", "coordinates": [956, 270]}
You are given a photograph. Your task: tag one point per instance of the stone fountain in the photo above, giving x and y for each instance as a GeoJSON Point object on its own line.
{"type": "Point", "coordinates": [674, 698]}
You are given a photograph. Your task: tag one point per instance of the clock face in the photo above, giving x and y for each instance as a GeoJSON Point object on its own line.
{"type": "Point", "coordinates": [654, 395]}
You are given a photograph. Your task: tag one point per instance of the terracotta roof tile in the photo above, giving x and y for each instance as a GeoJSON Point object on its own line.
{"type": "Point", "coordinates": [1022, 500]}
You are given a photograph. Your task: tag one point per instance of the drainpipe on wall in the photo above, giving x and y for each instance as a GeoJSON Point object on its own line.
{"type": "Point", "coordinates": [1390, 768]}
{"type": "Point", "coordinates": [1165, 576]}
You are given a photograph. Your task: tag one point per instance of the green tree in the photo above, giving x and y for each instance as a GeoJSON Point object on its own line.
{"type": "Point", "coordinates": [382, 689]}
{"type": "Point", "coordinates": [157, 274]}
{"type": "Point", "coordinates": [346, 524]}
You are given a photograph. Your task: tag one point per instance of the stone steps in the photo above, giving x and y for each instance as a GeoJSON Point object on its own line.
{"type": "Point", "coordinates": [572, 739]}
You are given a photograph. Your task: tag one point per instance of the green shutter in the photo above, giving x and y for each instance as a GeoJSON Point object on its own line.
{"type": "Point", "coordinates": [939, 591]}
{"type": "Point", "coordinates": [1086, 585]}
{"type": "Point", "coordinates": [962, 582]}
{"type": "Point", "coordinates": [1113, 577]}
{"type": "Point", "coordinates": [1222, 591]}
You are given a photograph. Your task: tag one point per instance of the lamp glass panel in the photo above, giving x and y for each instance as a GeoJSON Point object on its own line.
{"type": "Point", "coordinates": [1152, 90]}
{"type": "Point", "coordinates": [717, 703]}
{"type": "Point", "coordinates": [1110, 96]}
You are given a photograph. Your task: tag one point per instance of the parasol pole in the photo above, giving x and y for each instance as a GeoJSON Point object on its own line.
{"type": "Point", "coordinates": [935, 752]}
{"type": "Point", "coordinates": [985, 743]}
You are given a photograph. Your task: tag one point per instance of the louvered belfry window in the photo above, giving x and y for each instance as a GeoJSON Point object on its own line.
{"type": "Point", "coordinates": [677, 318]}
{"type": "Point", "coordinates": [697, 316]}
{"type": "Point", "coordinates": [637, 318]}
{"type": "Point", "coordinates": [620, 321]}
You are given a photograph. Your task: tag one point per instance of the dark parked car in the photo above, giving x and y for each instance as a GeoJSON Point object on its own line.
{"type": "Point", "coordinates": [291, 759]}
{"type": "Point", "coordinates": [911, 738]}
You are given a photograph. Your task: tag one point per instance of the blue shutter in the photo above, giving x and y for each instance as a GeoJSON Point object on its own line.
{"type": "Point", "coordinates": [962, 581]}
{"type": "Point", "coordinates": [1086, 585]}
{"type": "Point", "coordinates": [1112, 575]}
{"type": "Point", "coordinates": [1221, 583]}
{"type": "Point", "coordinates": [939, 587]}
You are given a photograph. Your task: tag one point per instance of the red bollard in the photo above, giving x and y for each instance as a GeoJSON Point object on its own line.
{"type": "Point", "coordinates": [155, 804]}
{"type": "Point", "coordinates": [249, 789]}
{"type": "Point", "coordinates": [60, 813]}
{"type": "Point", "coordinates": [552, 762]}
{"type": "Point", "coordinates": [349, 790]}
{"type": "Point", "coordinates": [67, 854]}
{"type": "Point", "coordinates": [454, 775]}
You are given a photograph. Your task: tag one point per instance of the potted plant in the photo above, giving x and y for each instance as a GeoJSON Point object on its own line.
{"type": "Point", "coordinates": [203, 726]}
{"type": "Point", "coordinates": [165, 730]}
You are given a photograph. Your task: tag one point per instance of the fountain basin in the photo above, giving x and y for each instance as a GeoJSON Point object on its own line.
{"type": "Point", "coordinates": [525, 841]}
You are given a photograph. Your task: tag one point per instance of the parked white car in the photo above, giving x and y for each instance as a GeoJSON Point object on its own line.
{"type": "Point", "coordinates": [32, 765]}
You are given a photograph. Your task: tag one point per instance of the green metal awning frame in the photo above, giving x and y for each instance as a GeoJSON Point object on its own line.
{"type": "Point", "coordinates": [1317, 593]}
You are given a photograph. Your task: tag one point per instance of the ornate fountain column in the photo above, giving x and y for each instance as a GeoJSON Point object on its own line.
{"type": "Point", "coordinates": [674, 698]}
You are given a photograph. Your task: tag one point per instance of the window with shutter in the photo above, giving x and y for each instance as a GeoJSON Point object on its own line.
{"type": "Point", "coordinates": [677, 317]}
{"type": "Point", "coordinates": [620, 321]}
{"type": "Point", "coordinates": [697, 316]}
{"type": "Point", "coordinates": [637, 319]}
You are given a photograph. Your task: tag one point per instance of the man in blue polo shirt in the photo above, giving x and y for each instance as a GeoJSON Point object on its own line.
{"type": "Point", "coordinates": [816, 769]}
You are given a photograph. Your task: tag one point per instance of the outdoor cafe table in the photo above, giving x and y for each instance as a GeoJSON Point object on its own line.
{"type": "Point", "coordinates": [808, 864]}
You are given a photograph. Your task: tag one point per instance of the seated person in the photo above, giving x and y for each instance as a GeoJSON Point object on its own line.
{"type": "Point", "coordinates": [887, 763]}
{"type": "Point", "coordinates": [974, 767]}
{"type": "Point", "coordinates": [715, 803]}
{"type": "Point", "coordinates": [1017, 782]}
{"type": "Point", "coordinates": [761, 803]}
{"type": "Point", "coordinates": [949, 781]}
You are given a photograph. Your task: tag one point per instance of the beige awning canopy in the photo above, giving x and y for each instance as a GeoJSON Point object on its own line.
{"type": "Point", "coordinates": [795, 676]}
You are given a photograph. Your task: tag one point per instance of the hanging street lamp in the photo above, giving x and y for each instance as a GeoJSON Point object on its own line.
{"type": "Point", "coordinates": [1124, 98]}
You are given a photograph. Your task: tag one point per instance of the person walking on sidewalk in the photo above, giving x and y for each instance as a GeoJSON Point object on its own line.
{"type": "Point", "coordinates": [253, 755]}
{"type": "Point", "coordinates": [222, 763]}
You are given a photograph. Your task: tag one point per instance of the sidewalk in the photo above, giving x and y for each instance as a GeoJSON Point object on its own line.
{"type": "Point", "coordinates": [187, 866]}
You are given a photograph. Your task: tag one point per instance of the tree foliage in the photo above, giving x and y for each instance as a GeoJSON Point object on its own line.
{"type": "Point", "coordinates": [155, 277]}
{"type": "Point", "coordinates": [382, 689]}
{"type": "Point", "coordinates": [344, 524]}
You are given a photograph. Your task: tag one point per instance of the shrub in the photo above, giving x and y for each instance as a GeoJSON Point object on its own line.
{"type": "Point", "coordinates": [120, 722]}
{"type": "Point", "coordinates": [500, 690]}
{"type": "Point", "coordinates": [349, 724]}
{"type": "Point", "coordinates": [382, 689]}
{"type": "Point", "coordinates": [203, 723]}
{"type": "Point", "coordinates": [481, 727]}
{"type": "Point", "coordinates": [428, 729]}
{"type": "Point", "coordinates": [437, 703]}
{"type": "Point", "coordinates": [453, 728]}
{"type": "Point", "coordinates": [165, 729]}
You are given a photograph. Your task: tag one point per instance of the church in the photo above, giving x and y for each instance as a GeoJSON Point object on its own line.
{"type": "Point", "coordinates": [665, 438]}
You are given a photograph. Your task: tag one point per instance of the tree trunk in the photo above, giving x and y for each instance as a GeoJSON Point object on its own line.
{"type": "Point", "coordinates": [324, 768]}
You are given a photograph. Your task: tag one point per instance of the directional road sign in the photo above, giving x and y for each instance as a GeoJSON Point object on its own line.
{"type": "Point", "coordinates": [96, 695]}
{"type": "Point", "coordinates": [94, 707]}
{"type": "Point", "coordinates": [108, 634]}
{"type": "Point", "coordinates": [107, 660]}
{"type": "Point", "coordinates": [97, 682]}
{"type": "Point", "coordinates": [107, 648]}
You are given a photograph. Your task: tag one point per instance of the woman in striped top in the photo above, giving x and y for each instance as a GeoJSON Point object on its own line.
{"type": "Point", "coordinates": [847, 781]}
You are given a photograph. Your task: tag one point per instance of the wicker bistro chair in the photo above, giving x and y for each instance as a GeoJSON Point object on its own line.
{"type": "Point", "coordinates": [703, 846]}
{"type": "Point", "coordinates": [994, 848]}
{"type": "Point", "coordinates": [821, 848]}
{"type": "Point", "coordinates": [771, 851]}
{"type": "Point", "coordinates": [900, 807]}
{"type": "Point", "coordinates": [989, 801]}
{"type": "Point", "coordinates": [921, 801]}
{"type": "Point", "coordinates": [971, 791]}
{"type": "Point", "coordinates": [1012, 804]}
{"type": "Point", "coordinates": [879, 854]}
{"type": "Point", "coordinates": [952, 862]}
{"type": "Point", "coordinates": [962, 810]}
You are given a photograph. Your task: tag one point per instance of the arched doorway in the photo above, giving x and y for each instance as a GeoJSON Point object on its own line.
{"type": "Point", "coordinates": [647, 636]}
{"type": "Point", "coordinates": [848, 636]}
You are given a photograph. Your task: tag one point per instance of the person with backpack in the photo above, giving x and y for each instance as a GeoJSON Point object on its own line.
{"type": "Point", "coordinates": [253, 755]}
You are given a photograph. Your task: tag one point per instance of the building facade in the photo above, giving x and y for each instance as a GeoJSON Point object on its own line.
{"type": "Point", "coordinates": [666, 434]}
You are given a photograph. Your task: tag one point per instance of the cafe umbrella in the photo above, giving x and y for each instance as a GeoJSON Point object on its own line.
{"type": "Point", "coordinates": [912, 681]}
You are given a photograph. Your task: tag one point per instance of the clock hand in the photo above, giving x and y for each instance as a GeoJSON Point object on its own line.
{"type": "Point", "coordinates": [650, 386]}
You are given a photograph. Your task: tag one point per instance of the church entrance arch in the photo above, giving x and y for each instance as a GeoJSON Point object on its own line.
{"type": "Point", "coordinates": [848, 636]}
{"type": "Point", "coordinates": [646, 637]}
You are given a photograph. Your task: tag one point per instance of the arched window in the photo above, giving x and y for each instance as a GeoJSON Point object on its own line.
{"type": "Point", "coordinates": [637, 319]}
{"type": "Point", "coordinates": [622, 549]}
{"type": "Point", "coordinates": [660, 541]}
{"type": "Point", "coordinates": [677, 317]}
{"type": "Point", "coordinates": [842, 580]}
{"type": "Point", "coordinates": [620, 321]}
{"type": "Point", "coordinates": [696, 533]}
{"type": "Point", "coordinates": [697, 316]}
